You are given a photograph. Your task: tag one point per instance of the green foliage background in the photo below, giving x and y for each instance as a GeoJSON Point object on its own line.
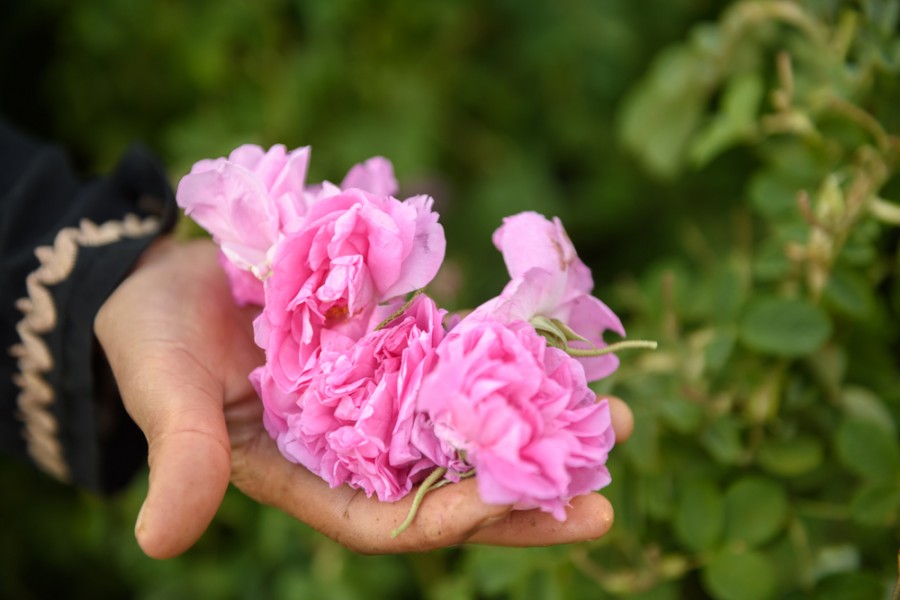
{"type": "Point", "coordinates": [725, 168]}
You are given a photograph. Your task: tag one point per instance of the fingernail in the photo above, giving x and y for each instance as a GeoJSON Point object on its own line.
{"type": "Point", "coordinates": [139, 523]}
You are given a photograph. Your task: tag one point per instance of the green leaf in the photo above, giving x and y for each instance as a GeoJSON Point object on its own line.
{"type": "Point", "coordinates": [659, 494]}
{"type": "Point", "coordinates": [733, 575]}
{"type": "Point", "coordinates": [789, 458]}
{"type": "Point", "coordinates": [699, 516]}
{"type": "Point", "coordinates": [722, 439]}
{"type": "Point", "coordinates": [859, 254]}
{"type": "Point", "coordinates": [865, 405]}
{"type": "Point", "coordinates": [784, 327]}
{"type": "Point", "coordinates": [772, 197]}
{"type": "Point", "coordinates": [877, 504]}
{"type": "Point", "coordinates": [851, 586]}
{"type": "Point", "coordinates": [494, 570]}
{"type": "Point", "coordinates": [540, 585]}
{"type": "Point", "coordinates": [756, 509]}
{"type": "Point", "coordinates": [867, 450]}
{"type": "Point", "coordinates": [681, 415]}
{"type": "Point", "coordinates": [735, 121]}
{"type": "Point", "coordinates": [661, 113]}
{"type": "Point", "coordinates": [849, 293]}
{"type": "Point", "coordinates": [449, 588]}
{"type": "Point", "coordinates": [718, 351]}
{"type": "Point", "coordinates": [643, 453]}
{"type": "Point", "coordinates": [665, 591]}
{"type": "Point", "coordinates": [884, 14]}
{"type": "Point", "coordinates": [728, 294]}
{"type": "Point", "coordinates": [769, 261]}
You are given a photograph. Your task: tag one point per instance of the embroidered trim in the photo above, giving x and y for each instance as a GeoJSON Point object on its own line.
{"type": "Point", "coordinates": [40, 317]}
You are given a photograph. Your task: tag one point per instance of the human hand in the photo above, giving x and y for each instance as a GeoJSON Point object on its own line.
{"type": "Point", "coordinates": [181, 352]}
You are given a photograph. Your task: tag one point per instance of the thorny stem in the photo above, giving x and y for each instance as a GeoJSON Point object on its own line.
{"type": "Point", "coordinates": [427, 486]}
{"type": "Point", "coordinates": [745, 14]}
{"type": "Point", "coordinates": [785, 75]}
{"type": "Point", "coordinates": [806, 210]}
{"type": "Point", "coordinates": [864, 120]}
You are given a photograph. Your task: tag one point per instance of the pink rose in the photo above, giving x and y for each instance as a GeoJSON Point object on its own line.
{"type": "Point", "coordinates": [355, 251]}
{"type": "Point", "coordinates": [521, 412]}
{"type": "Point", "coordinates": [548, 279]}
{"type": "Point", "coordinates": [246, 200]}
{"type": "Point", "coordinates": [356, 422]}
{"type": "Point", "coordinates": [249, 200]}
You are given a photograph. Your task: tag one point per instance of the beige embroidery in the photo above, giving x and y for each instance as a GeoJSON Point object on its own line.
{"type": "Point", "coordinates": [56, 265]}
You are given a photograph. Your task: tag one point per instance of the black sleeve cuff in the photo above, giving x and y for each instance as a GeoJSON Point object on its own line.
{"type": "Point", "coordinates": [73, 245]}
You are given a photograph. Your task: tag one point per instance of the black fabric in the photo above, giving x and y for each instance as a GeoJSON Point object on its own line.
{"type": "Point", "coordinates": [39, 196]}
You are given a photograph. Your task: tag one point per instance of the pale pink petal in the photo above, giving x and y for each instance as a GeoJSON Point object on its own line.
{"type": "Point", "coordinates": [426, 255]}
{"type": "Point", "coordinates": [376, 175]}
{"type": "Point", "coordinates": [232, 205]}
{"type": "Point", "coordinates": [521, 299]}
{"type": "Point", "coordinates": [247, 156]}
{"type": "Point", "coordinates": [529, 240]}
{"type": "Point", "coordinates": [245, 287]}
{"type": "Point", "coordinates": [270, 166]}
{"type": "Point", "coordinates": [287, 189]}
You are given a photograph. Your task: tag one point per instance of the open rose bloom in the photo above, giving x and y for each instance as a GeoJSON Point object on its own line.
{"type": "Point", "coordinates": [362, 382]}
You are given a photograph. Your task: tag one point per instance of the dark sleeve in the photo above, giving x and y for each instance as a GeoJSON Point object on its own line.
{"type": "Point", "coordinates": [65, 244]}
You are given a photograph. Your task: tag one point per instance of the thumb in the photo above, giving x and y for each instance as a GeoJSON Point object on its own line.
{"type": "Point", "coordinates": [155, 331]}
{"type": "Point", "coordinates": [189, 453]}
{"type": "Point", "coordinates": [189, 473]}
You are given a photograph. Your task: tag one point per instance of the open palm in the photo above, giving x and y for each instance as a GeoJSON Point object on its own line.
{"type": "Point", "coordinates": [181, 352]}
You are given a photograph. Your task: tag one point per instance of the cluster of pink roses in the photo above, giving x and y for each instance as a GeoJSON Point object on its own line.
{"type": "Point", "coordinates": [364, 387]}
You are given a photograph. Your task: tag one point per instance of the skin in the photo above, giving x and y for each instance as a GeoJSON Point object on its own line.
{"type": "Point", "coordinates": [181, 352]}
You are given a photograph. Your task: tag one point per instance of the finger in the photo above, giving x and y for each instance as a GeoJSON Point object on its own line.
{"type": "Point", "coordinates": [589, 517]}
{"type": "Point", "coordinates": [447, 516]}
{"type": "Point", "coordinates": [622, 419]}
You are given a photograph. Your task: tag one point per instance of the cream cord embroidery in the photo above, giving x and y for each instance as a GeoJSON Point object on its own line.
{"type": "Point", "coordinates": [40, 317]}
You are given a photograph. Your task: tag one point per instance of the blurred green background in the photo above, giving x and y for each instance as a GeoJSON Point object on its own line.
{"type": "Point", "coordinates": [727, 169]}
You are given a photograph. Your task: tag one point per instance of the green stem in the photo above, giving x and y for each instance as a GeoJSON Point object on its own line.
{"type": "Point", "coordinates": [426, 487]}
{"type": "Point", "coordinates": [466, 475]}
{"type": "Point", "coordinates": [401, 310]}
{"type": "Point", "coordinates": [623, 345]}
